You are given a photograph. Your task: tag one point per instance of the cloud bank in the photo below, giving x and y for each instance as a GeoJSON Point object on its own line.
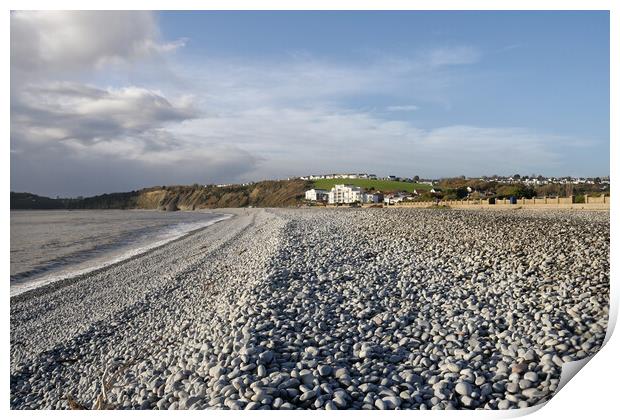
{"type": "Point", "coordinates": [230, 119]}
{"type": "Point", "coordinates": [44, 41]}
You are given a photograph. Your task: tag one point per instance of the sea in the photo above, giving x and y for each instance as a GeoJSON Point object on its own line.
{"type": "Point", "coordinates": [48, 246]}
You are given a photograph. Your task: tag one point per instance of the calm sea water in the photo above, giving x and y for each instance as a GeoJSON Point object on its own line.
{"type": "Point", "coordinates": [51, 245]}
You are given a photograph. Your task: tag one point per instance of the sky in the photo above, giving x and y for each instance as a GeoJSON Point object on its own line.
{"type": "Point", "coordinates": [117, 101]}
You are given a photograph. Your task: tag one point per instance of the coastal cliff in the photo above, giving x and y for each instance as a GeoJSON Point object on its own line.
{"type": "Point", "coordinates": [179, 197]}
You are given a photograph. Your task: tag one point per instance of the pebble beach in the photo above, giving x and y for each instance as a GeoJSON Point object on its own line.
{"type": "Point", "coordinates": [324, 309]}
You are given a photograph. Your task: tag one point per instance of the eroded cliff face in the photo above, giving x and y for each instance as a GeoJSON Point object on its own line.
{"type": "Point", "coordinates": [180, 197]}
{"type": "Point", "coordinates": [261, 194]}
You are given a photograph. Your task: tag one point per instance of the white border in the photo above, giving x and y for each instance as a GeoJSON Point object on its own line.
{"type": "Point", "coordinates": [591, 394]}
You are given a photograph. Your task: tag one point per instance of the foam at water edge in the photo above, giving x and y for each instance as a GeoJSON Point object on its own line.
{"type": "Point", "coordinates": [165, 237]}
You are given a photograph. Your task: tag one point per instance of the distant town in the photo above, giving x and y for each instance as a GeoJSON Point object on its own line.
{"type": "Point", "coordinates": [525, 179]}
{"type": "Point", "coordinates": [351, 191]}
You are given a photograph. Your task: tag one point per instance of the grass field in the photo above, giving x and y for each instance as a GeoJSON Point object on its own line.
{"type": "Point", "coordinates": [378, 184]}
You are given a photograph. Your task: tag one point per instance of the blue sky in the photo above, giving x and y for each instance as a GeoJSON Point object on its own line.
{"type": "Point", "coordinates": [237, 96]}
{"type": "Point", "coordinates": [546, 70]}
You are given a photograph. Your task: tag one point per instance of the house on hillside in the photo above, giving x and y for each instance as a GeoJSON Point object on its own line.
{"type": "Point", "coordinates": [316, 194]}
{"type": "Point", "coordinates": [371, 198]}
{"type": "Point", "coordinates": [392, 199]}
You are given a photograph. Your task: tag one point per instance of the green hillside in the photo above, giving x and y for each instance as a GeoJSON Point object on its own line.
{"type": "Point", "coordinates": [377, 184]}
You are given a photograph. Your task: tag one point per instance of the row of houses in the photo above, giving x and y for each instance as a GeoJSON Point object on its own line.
{"type": "Point", "coordinates": [343, 176]}
{"type": "Point", "coordinates": [364, 176]}
{"type": "Point", "coordinates": [244, 184]}
{"type": "Point", "coordinates": [528, 180]}
{"type": "Point", "coordinates": [540, 180]}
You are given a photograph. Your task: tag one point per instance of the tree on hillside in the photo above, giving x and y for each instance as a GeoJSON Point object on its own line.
{"type": "Point", "coordinates": [515, 190]}
{"type": "Point", "coordinates": [461, 192]}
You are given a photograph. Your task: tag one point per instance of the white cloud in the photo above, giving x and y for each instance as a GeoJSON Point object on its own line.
{"type": "Point", "coordinates": [131, 124]}
{"type": "Point", "coordinates": [72, 139]}
{"type": "Point", "coordinates": [55, 112]}
{"type": "Point", "coordinates": [294, 140]}
{"type": "Point", "coordinates": [450, 56]}
{"type": "Point", "coordinates": [61, 41]}
{"type": "Point", "coordinates": [306, 80]}
{"type": "Point", "coordinates": [399, 108]}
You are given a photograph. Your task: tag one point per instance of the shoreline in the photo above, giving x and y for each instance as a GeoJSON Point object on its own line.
{"type": "Point", "coordinates": [20, 287]}
{"type": "Point", "coordinates": [107, 290]}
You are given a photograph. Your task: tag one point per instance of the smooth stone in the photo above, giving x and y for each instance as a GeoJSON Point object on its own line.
{"type": "Point", "coordinates": [216, 371]}
{"type": "Point", "coordinates": [512, 387]}
{"type": "Point", "coordinates": [463, 388]}
{"type": "Point", "coordinates": [340, 400]}
{"type": "Point", "coordinates": [532, 393]}
{"type": "Point", "coordinates": [330, 405]}
{"type": "Point", "coordinates": [324, 370]}
{"type": "Point", "coordinates": [307, 395]}
{"type": "Point", "coordinates": [312, 351]}
{"type": "Point", "coordinates": [261, 371]}
{"type": "Point", "coordinates": [391, 402]}
{"type": "Point", "coordinates": [252, 406]}
{"type": "Point", "coordinates": [266, 357]}
{"type": "Point", "coordinates": [453, 367]}
{"type": "Point", "coordinates": [503, 405]}
{"type": "Point", "coordinates": [307, 379]}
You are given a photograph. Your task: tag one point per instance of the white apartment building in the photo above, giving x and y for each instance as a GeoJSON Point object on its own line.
{"type": "Point", "coordinates": [316, 195]}
{"type": "Point", "coordinates": [345, 194]}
